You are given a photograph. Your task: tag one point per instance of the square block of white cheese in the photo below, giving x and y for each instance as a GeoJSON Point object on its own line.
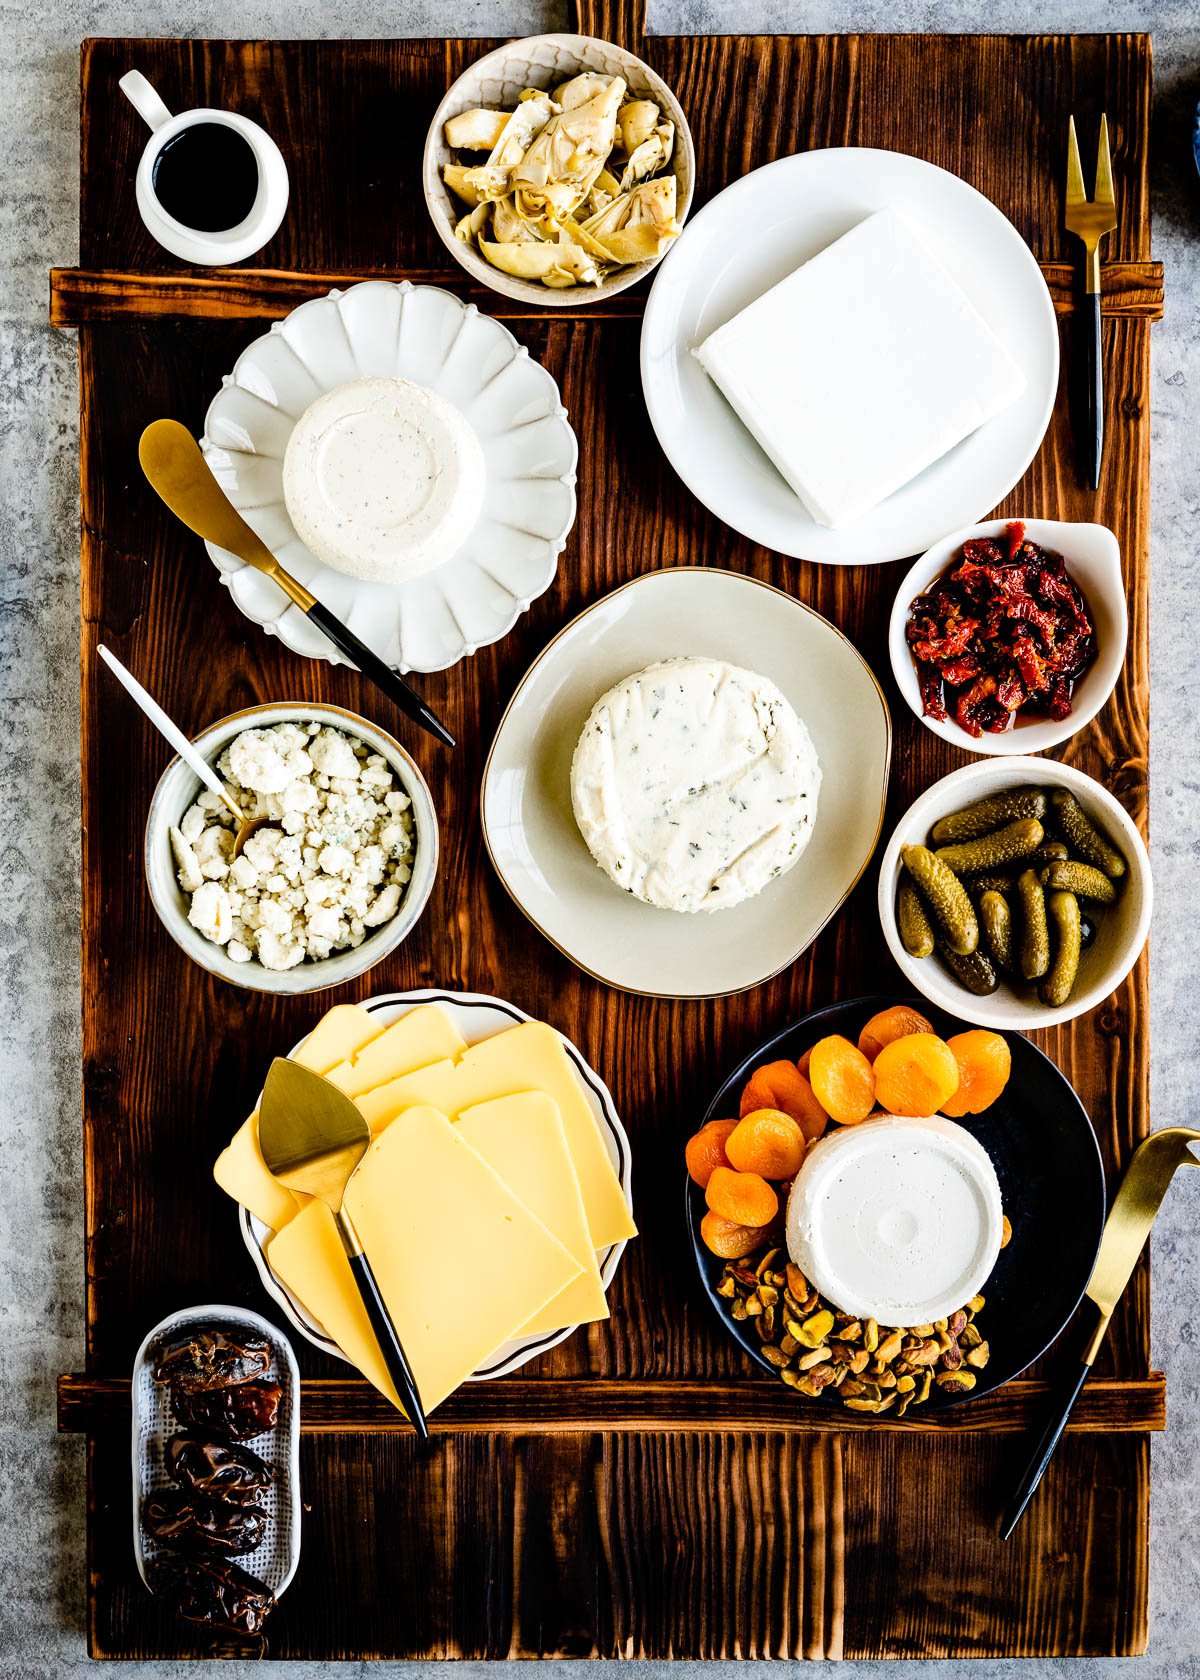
{"type": "Point", "coordinates": [861, 368]}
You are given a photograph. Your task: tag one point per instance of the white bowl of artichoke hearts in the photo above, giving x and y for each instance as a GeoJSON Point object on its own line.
{"type": "Point", "coordinates": [559, 169]}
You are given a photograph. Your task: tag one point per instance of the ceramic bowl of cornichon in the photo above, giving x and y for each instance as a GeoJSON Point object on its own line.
{"type": "Point", "coordinates": [1016, 893]}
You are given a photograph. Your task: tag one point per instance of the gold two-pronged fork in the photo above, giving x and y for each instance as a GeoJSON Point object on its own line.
{"type": "Point", "coordinates": [1089, 220]}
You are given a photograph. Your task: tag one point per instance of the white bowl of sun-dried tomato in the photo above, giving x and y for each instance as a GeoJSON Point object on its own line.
{"type": "Point", "coordinates": [1009, 636]}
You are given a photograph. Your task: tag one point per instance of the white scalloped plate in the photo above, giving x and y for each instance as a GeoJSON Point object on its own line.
{"type": "Point", "coordinates": [400, 331]}
{"type": "Point", "coordinates": [476, 1016]}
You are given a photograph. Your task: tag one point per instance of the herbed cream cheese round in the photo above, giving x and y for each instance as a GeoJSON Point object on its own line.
{"type": "Point", "coordinates": [694, 784]}
{"type": "Point", "coordinates": [383, 479]}
{"type": "Point", "coordinates": [896, 1219]}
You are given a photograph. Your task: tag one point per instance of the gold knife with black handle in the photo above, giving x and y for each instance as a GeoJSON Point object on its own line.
{"type": "Point", "coordinates": [1149, 1173]}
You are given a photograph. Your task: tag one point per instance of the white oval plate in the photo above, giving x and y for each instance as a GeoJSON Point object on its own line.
{"type": "Point", "coordinates": [477, 1017]}
{"type": "Point", "coordinates": [422, 333]}
{"type": "Point", "coordinates": [541, 857]}
{"type": "Point", "coordinates": [274, 1563]}
{"type": "Point", "coordinates": [754, 234]}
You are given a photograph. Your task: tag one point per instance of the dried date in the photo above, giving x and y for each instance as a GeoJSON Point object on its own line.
{"type": "Point", "coordinates": [216, 1593]}
{"type": "Point", "coordinates": [241, 1412]}
{"type": "Point", "coordinates": [211, 1358]}
{"type": "Point", "coordinates": [217, 1469]}
{"type": "Point", "coordinates": [177, 1517]}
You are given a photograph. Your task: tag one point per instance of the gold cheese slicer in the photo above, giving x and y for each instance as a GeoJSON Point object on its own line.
{"type": "Point", "coordinates": [312, 1138]}
{"type": "Point", "coordinates": [1150, 1171]}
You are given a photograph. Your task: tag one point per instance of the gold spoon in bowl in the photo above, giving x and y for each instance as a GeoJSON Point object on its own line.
{"type": "Point", "coordinates": [246, 826]}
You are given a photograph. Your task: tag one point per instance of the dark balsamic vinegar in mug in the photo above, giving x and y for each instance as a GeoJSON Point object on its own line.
{"type": "Point", "coordinates": [206, 176]}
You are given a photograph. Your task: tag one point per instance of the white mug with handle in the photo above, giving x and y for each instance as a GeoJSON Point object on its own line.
{"type": "Point", "coordinates": [197, 245]}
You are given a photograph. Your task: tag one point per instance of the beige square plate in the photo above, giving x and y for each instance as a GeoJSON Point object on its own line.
{"type": "Point", "coordinates": [530, 829]}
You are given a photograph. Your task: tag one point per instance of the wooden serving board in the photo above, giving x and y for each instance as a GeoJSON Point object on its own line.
{"type": "Point", "coordinates": [639, 1491]}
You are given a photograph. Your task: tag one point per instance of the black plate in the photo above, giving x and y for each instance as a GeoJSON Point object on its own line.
{"type": "Point", "coordinates": [1045, 1154]}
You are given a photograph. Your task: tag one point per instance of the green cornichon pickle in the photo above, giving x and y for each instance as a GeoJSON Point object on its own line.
{"type": "Point", "coordinates": [1035, 935]}
{"type": "Point", "coordinates": [1080, 879]}
{"type": "Point", "coordinates": [989, 815]}
{"type": "Point", "coordinates": [974, 971]}
{"type": "Point", "coordinates": [1050, 851]}
{"type": "Point", "coordinates": [1055, 988]}
{"type": "Point", "coordinates": [993, 851]}
{"type": "Point", "coordinates": [945, 898]}
{"type": "Point", "coordinates": [1077, 830]}
{"type": "Point", "coordinates": [995, 920]}
{"type": "Point", "coordinates": [990, 881]}
{"type": "Point", "coordinates": [916, 930]}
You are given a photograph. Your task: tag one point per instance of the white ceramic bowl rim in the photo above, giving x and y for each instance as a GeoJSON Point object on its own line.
{"type": "Point", "coordinates": [579, 52]}
{"type": "Point", "coordinates": [1003, 1010]}
{"type": "Point", "coordinates": [308, 976]}
{"type": "Point", "coordinates": [1104, 589]}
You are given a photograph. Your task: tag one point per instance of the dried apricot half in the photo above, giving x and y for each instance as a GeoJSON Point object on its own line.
{"type": "Point", "coordinates": [728, 1239]}
{"type": "Point", "coordinates": [769, 1142]}
{"type": "Point", "coordinates": [743, 1197]}
{"type": "Point", "coordinates": [984, 1064]}
{"type": "Point", "coordinates": [889, 1025]}
{"type": "Point", "coordinates": [842, 1080]}
{"type": "Point", "coordinates": [781, 1085]}
{"type": "Point", "coordinates": [804, 1064]}
{"type": "Point", "coordinates": [916, 1074]}
{"type": "Point", "coordinates": [706, 1150]}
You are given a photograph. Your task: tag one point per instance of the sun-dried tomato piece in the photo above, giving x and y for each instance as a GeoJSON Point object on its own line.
{"type": "Point", "coordinates": [961, 670]}
{"type": "Point", "coordinates": [1014, 537]}
{"type": "Point", "coordinates": [1029, 610]}
{"type": "Point", "coordinates": [982, 551]}
{"type": "Point", "coordinates": [1060, 700]}
{"type": "Point", "coordinates": [933, 697]}
{"type": "Point", "coordinates": [972, 709]}
{"type": "Point", "coordinates": [1011, 694]}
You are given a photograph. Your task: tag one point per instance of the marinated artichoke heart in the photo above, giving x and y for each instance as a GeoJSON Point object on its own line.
{"type": "Point", "coordinates": [572, 187]}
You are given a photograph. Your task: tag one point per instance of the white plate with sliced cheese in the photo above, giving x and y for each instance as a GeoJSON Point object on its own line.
{"type": "Point", "coordinates": [744, 629]}
{"type": "Point", "coordinates": [872, 400]}
{"type": "Point", "coordinates": [547, 1129]}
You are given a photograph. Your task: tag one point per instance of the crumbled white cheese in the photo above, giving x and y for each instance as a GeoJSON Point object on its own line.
{"type": "Point", "coordinates": [210, 912]}
{"type": "Point", "coordinates": [335, 863]}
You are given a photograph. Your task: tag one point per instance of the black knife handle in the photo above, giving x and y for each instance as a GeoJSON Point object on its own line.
{"type": "Point", "coordinates": [1091, 396]}
{"type": "Point", "coordinates": [1064, 1391]}
{"type": "Point", "coordinates": [389, 1343]}
{"type": "Point", "coordinates": [385, 679]}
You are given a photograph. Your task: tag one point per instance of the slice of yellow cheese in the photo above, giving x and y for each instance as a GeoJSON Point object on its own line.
{"type": "Point", "coordinates": [420, 1193]}
{"type": "Point", "coordinates": [337, 1042]}
{"type": "Point", "coordinates": [425, 1034]}
{"type": "Point", "coordinates": [529, 1057]}
{"type": "Point", "coordinates": [522, 1139]}
{"type": "Point", "coordinates": [342, 1031]}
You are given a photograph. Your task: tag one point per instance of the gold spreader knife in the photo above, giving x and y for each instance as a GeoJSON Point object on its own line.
{"type": "Point", "coordinates": [173, 462]}
{"type": "Point", "coordinates": [1133, 1212]}
{"type": "Point", "coordinates": [312, 1138]}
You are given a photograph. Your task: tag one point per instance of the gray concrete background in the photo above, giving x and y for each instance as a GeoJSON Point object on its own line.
{"type": "Point", "coordinates": [42, 1576]}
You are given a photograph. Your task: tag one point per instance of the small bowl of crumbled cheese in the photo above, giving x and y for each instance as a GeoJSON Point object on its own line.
{"type": "Point", "coordinates": [333, 879]}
